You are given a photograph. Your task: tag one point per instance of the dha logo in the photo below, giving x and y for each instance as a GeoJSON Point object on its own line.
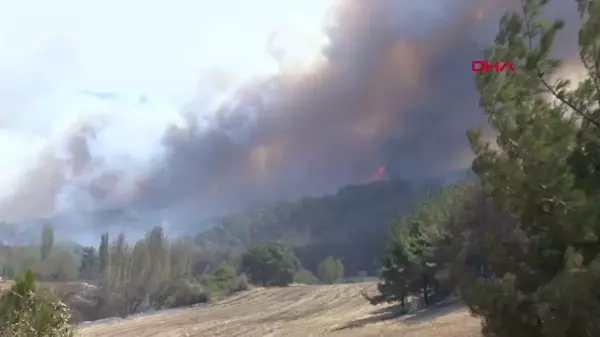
{"type": "Point", "coordinates": [483, 66]}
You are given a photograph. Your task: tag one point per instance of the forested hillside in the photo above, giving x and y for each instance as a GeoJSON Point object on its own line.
{"type": "Point", "coordinates": [350, 225]}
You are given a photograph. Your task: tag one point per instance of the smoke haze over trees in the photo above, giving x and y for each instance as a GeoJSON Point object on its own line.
{"type": "Point", "coordinates": [365, 107]}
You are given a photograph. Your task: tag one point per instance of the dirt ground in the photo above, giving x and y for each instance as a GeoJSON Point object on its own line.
{"type": "Point", "coordinates": [296, 311]}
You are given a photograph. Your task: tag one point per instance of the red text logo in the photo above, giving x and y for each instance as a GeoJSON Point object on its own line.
{"type": "Point", "coordinates": [483, 66]}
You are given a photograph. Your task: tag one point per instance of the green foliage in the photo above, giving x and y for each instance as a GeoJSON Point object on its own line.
{"type": "Point", "coordinates": [350, 225]}
{"type": "Point", "coordinates": [29, 312]}
{"type": "Point", "coordinates": [270, 264]}
{"type": "Point", "coordinates": [304, 276]}
{"type": "Point", "coordinates": [152, 273]}
{"type": "Point", "coordinates": [60, 265]}
{"type": "Point", "coordinates": [136, 275]}
{"type": "Point", "coordinates": [179, 293]}
{"type": "Point", "coordinates": [89, 268]}
{"type": "Point", "coordinates": [103, 254]}
{"type": "Point", "coordinates": [331, 270]}
{"type": "Point", "coordinates": [47, 241]}
{"type": "Point", "coordinates": [15, 260]}
{"type": "Point", "coordinates": [181, 258]}
{"type": "Point", "coordinates": [398, 277]}
{"type": "Point", "coordinates": [418, 256]}
{"type": "Point", "coordinates": [543, 172]}
{"type": "Point", "coordinates": [159, 268]}
{"type": "Point", "coordinates": [222, 280]}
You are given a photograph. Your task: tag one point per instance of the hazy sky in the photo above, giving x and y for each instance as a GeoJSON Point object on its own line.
{"type": "Point", "coordinates": [54, 54]}
{"type": "Point", "coordinates": [221, 105]}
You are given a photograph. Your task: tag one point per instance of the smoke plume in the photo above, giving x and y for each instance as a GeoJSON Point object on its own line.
{"type": "Point", "coordinates": [370, 89]}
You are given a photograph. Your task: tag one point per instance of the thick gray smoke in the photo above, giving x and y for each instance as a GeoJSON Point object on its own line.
{"type": "Point", "coordinates": [396, 92]}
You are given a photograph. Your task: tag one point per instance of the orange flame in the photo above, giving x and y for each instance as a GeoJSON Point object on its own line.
{"type": "Point", "coordinates": [379, 174]}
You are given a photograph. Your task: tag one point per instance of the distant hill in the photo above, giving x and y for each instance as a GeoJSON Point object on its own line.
{"type": "Point", "coordinates": [350, 225]}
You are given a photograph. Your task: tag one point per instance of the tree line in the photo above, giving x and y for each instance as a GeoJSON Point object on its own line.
{"type": "Point", "coordinates": [156, 272]}
{"type": "Point", "coordinates": [349, 225]}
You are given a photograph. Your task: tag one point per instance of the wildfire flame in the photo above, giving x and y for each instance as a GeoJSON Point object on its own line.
{"type": "Point", "coordinates": [379, 174]}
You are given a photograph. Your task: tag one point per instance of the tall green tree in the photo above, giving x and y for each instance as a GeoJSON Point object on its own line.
{"type": "Point", "coordinates": [120, 255]}
{"type": "Point", "coordinates": [270, 264]}
{"type": "Point", "coordinates": [543, 172]}
{"type": "Point", "coordinates": [421, 253]}
{"type": "Point", "coordinates": [159, 270]}
{"type": "Point", "coordinates": [135, 291]}
{"type": "Point", "coordinates": [331, 270]}
{"type": "Point", "coordinates": [47, 241]}
{"type": "Point", "coordinates": [89, 266]}
{"type": "Point", "coordinates": [103, 253]}
{"type": "Point", "coordinates": [423, 237]}
{"type": "Point", "coordinates": [181, 257]}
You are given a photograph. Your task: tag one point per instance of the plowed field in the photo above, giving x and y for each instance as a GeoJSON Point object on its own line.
{"type": "Point", "coordinates": [296, 311]}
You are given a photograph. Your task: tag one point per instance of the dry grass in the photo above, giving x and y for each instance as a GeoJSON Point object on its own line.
{"type": "Point", "coordinates": [297, 311]}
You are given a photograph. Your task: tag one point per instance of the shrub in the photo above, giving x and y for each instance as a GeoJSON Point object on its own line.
{"type": "Point", "coordinates": [181, 293]}
{"type": "Point", "coordinates": [28, 312]}
{"type": "Point", "coordinates": [331, 270]}
{"type": "Point", "coordinates": [270, 264]}
{"type": "Point", "coordinates": [224, 281]}
{"type": "Point", "coordinates": [242, 283]}
{"type": "Point", "coordinates": [304, 276]}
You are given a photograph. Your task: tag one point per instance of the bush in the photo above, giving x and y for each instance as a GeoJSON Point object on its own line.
{"type": "Point", "coordinates": [270, 264]}
{"type": "Point", "coordinates": [331, 270]}
{"type": "Point", "coordinates": [221, 280]}
{"type": "Point", "coordinates": [242, 283]}
{"type": "Point", "coordinates": [181, 293]}
{"type": "Point", "coordinates": [304, 276]}
{"type": "Point", "coordinates": [28, 312]}
{"type": "Point", "coordinates": [224, 281]}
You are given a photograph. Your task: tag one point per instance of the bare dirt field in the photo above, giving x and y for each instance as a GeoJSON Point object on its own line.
{"type": "Point", "coordinates": [296, 311]}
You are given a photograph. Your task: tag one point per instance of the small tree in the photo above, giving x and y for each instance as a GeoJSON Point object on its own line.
{"type": "Point", "coordinates": [398, 278]}
{"type": "Point", "coordinates": [270, 264]}
{"type": "Point", "coordinates": [331, 270]}
{"type": "Point", "coordinates": [28, 312]}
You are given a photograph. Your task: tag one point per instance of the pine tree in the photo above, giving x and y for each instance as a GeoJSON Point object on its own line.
{"type": "Point", "coordinates": [543, 172]}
